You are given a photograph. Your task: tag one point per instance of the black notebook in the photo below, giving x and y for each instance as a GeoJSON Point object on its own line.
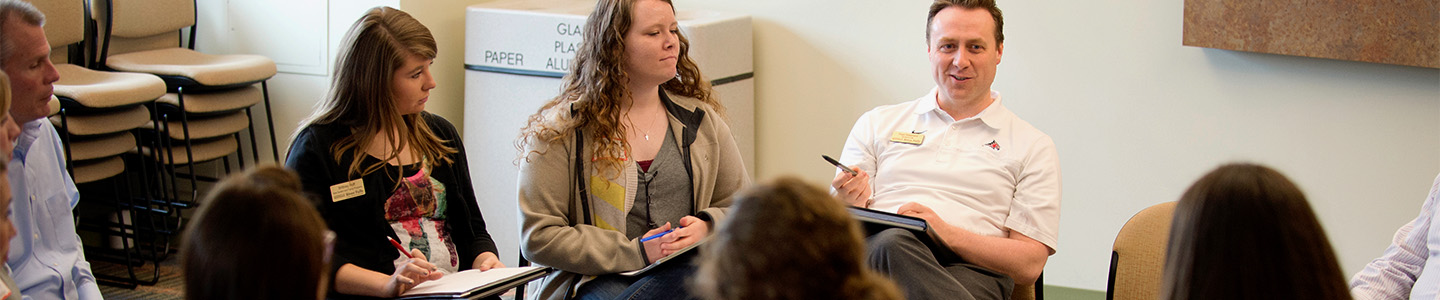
{"type": "Point", "coordinates": [474, 284]}
{"type": "Point", "coordinates": [874, 221]}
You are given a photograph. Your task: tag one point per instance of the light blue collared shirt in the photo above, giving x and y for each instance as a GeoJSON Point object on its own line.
{"type": "Point", "coordinates": [1410, 267]}
{"type": "Point", "coordinates": [46, 257]}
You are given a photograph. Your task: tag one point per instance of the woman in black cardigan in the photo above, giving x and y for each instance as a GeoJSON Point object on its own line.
{"type": "Point", "coordinates": [380, 167]}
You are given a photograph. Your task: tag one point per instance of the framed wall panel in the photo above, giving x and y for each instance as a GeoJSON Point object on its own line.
{"type": "Point", "coordinates": [1400, 32]}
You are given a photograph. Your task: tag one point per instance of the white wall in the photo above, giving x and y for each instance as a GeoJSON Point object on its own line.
{"type": "Point", "coordinates": [295, 90]}
{"type": "Point", "coordinates": [1137, 117]}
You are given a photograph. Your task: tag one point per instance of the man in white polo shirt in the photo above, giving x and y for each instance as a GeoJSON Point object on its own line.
{"type": "Point", "coordinates": [987, 182]}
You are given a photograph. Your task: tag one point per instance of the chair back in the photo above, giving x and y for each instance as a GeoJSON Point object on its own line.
{"type": "Point", "coordinates": [131, 26]}
{"type": "Point", "coordinates": [138, 19]}
{"type": "Point", "coordinates": [64, 21]}
{"type": "Point", "coordinates": [64, 27]}
{"type": "Point", "coordinates": [1137, 263]}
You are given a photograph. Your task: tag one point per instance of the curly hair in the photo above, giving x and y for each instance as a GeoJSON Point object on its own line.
{"type": "Point", "coordinates": [788, 240]}
{"type": "Point", "coordinates": [596, 85]}
{"type": "Point", "coordinates": [362, 96]}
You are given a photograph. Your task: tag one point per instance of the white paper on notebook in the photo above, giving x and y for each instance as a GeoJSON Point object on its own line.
{"type": "Point", "coordinates": [467, 280]}
{"type": "Point", "coordinates": [665, 259]}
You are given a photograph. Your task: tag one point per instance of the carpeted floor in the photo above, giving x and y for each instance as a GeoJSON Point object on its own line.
{"type": "Point", "coordinates": [170, 286]}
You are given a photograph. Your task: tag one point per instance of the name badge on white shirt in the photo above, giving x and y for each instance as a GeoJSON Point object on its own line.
{"type": "Point", "coordinates": [347, 190]}
{"type": "Point", "coordinates": [907, 137]}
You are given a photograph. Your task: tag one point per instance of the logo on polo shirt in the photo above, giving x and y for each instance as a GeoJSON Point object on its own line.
{"type": "Point", "coordinates": [993, 145]}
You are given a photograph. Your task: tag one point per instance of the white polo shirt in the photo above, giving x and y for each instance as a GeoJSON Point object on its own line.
{"type": "Point", "coordinates": [987, 174]}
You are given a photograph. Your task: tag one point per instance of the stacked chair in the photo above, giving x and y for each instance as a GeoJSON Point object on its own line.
{"type": "Point", "coordinates": [199, 119]}
{"type": "Point", "coordinates": [97, 115]}
{"type": "Point", "coordinates": [139, 115]}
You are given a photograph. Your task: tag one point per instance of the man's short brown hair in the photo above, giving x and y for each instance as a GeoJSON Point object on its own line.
{"type": "Point", "coordinates": [988, 5]}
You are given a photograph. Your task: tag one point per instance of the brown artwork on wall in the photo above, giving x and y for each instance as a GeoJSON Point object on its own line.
{"type": "Point", "coordinates": [1399, 32]}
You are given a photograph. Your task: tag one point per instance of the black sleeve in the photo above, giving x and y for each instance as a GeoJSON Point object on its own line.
{"type": "Point", "coordinates": [309, 159]}
{"type": "Point", "coordinates": [479, 239]}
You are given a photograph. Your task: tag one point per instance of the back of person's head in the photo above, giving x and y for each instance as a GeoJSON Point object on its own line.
{"type": "Point", "coordinates": [788, 240]}
{"type": "Point", "coordinates": [25, 12]}
{"type": "Point", "coordinates": [7, 227]}
{"type": "Point", "coordinates": [988, 5]}
{"type": "Point", "coordinates": [9, 130]}
{"type": "Point", "coordinates": [5, 96]}
{"type": "Point", "coordinates": [362, 93]}
{"type": "Point", "coordinates": [1244, 231]}
{"type": "Point", "coordinates": [255, 237]}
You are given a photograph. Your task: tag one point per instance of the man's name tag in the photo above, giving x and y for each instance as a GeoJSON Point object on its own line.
{"type": "Point", "coordinates": [347, 190]}
{"type": "Point", "coordinates": [907, 137]}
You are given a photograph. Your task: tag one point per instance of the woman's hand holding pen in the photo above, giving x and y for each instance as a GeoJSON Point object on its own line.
{"type": "Point", "coordinates": [691, 231]}
{"type": "Point", "coordinates": [652, 245]}
{"type": "Point", "coordinates": [412, 272]}
{"type": "Point", "coordinates": [664, 241]}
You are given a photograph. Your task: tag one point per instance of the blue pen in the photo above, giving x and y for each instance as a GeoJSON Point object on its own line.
{"type": "Point", "coordinates": [658, 235]}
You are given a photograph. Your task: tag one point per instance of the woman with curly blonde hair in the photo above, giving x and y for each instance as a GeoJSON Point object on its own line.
{"type": "Point", "coordinates": [634, 146]}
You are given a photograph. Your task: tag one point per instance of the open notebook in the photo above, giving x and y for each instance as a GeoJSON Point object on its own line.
{"type": "Point", "coordinates": [474, 284]}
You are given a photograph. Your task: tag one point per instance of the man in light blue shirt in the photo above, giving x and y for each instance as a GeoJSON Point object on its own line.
{"type": "Point", "coordinates": [46, 257]}
{"type": "Point", "coordinates": [1401, 273]}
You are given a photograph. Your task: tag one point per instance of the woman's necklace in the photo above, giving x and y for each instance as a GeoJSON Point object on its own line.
{"type": "Point", "coordinates": [645, 133]}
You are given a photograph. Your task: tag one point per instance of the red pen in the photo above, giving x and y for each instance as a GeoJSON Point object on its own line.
{"type": "Point", "coordinates": [398, 247]}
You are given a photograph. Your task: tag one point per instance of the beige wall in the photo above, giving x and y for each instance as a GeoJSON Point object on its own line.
{"type": "Point", "coordinates": [295, 95]}
{"type": "Point", "coordinates": [446, 20]}
{"type": "Point", "coordinates": [1136, 116]}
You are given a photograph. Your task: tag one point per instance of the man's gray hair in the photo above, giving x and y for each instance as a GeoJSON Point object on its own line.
{"type": "Point", "coordinates": [26, 12]}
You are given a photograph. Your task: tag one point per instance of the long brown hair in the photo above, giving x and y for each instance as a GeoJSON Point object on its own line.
{"type": "Point", "coordinates": [596, 85]}
{"type": "Point", "coordinates": [1244, 231]}
{"type": "Point", "coordinates": [249, 226]}
{"type": "Point", "coordinates": [362, 97]}
{"type": "Point", "coordinates": [5, 96]}
{"type": "Point", "coordinates": [788, 240]}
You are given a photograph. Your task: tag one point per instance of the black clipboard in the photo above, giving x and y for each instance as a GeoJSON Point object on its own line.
{"type": "Point", "coordinates": [489, 285]}
{"type": "Point", "coordinates": [874, 221]}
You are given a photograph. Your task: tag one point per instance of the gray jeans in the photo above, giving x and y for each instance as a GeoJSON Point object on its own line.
{"type": "Point", "coordinates": [910, 263]}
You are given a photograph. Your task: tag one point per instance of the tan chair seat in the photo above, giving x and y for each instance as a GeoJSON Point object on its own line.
{"type": "Point", "coordinates": [207, 69]}
{"type": "Point", "coordinates": [106, 89]}
{"type": "Point", "coordinates": [88, 171]}
{"type": "Point", "coordinates": [207, 127]}
{"type": "Point", "coordinates": [216, 102]}
{"type": "Point", "coordinates": [127, 119]}
{"type": "Point", "coordinates": [204, 150]}
{"type": "Point", "coordinates": [54, 105]}
{"type": "Point", "coordinates": [103, 146]}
